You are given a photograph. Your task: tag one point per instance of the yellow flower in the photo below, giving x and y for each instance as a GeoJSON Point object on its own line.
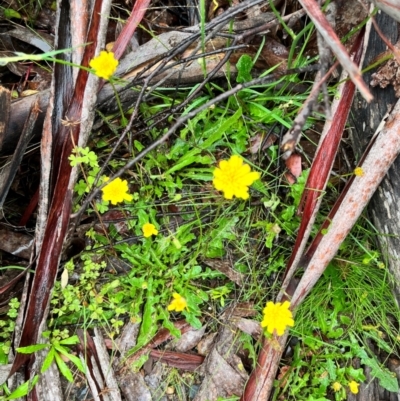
{"type": "Point", "coordinates": [116, 191]}
{"type": "Point", "coordinates": [233, 178]}
{"type": "Point", "coordinates": [277, 317]}
{"type": "Point", "coordinates": [104, 64]}
{"type": "Point", "coordinates": [354, 387]}
{"type": "Point", "coordinates": [149, 230]}
{"type": "Point", "coordinates": [178, 303]}
{"type": "Point", "coordinates": [336, 387]}
{"type": "Point", "coordinates": [358, 171]}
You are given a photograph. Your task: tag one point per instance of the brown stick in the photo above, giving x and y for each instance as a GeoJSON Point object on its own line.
{"type": "Point", "coordinates": [321, 23]}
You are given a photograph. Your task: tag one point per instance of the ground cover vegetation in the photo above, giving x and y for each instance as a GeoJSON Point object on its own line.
{"type": "Point", "coordinates": [205, 223]}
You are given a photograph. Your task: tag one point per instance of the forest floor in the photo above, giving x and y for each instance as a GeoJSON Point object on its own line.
{"type": "Point", "coordinates": [155, 261]}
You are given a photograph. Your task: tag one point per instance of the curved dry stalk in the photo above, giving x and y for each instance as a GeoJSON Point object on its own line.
{"type": "Point", "coordinates": [323, 27]}
{"type": "Point", "coordinates": [262, 378]}
{"type": "Point", "coordinates": [322, 165]}
{"type": "Point", "coordinates": [377, 162]}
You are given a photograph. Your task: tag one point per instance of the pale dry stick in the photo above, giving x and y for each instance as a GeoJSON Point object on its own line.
{"type": "Point", "coordinates": [323, 27]}
{"type": "Point", "coordinates": [292, 137]}
{"type": "Point", "coordinates": [376, 164]}
{"type": "Point", "coordinates": [390, 7]}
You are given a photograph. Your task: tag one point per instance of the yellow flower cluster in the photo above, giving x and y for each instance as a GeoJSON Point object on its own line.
{"type": "Point", "coordinates": [149, 230]}
{"type": "Point", "coordinates": [116, 191]}
{"type": "Point", "coordinates": [104, 65]}
{"type": "Point", "coordinates": [358, 171]}
{"type": "Point", "coordinates": [277, 317]}
{"type": "Point", "coordinates": [178, 304]}
{"type": "Point", "coordinates": [353, 386]}
{"type": "Point", "coordinates": [233, 178]}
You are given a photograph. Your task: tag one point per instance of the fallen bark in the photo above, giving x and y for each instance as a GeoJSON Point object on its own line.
{"type": "Point", "coordinates": [384, 206]}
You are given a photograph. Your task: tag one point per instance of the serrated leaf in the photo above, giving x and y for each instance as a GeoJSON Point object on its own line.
{"type": "Point", "coordinates": [74, 359]}
{"type": "Point", "coordinates": [64, 369]}
{"type": "Point", "coordinates": [48, 360]}
{"type": "Point", "coordinates": [386, 379]}
{"type": "Point", "coordinates": [138, 363]}
{"type": "Point", "coordinates": [213, 135]}
{"type": "Point", "coordinates": [331, 368]}
{"type": "Point", "coordinates": [147, 328]}
{"type": "Point", "coordinates": [30, 349]}
{"type": "Point", "coordinates": [23, 389]}
{"type": "Point", "coordinates": [168, 324]}
{"type": "Point", "coordinates": [192, 320]}
{"type": "Point", "coordinates": [70, 340]}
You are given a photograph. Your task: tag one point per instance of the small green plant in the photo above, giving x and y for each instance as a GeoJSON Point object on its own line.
{"type": "Point", "coordinates": [334, 329]}
{"type": "Point", "coordinates": [57, 351]}
{"type": "Point", "coordinates": [7, 328]}
{"type": "Point", "coordinates": [20, 391]}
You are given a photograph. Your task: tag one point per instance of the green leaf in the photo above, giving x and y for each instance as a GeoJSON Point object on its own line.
{"type": "Point", "coordinates": [3, 355]}
{"type": "Point", "coordinates": [167, 323]}
{"type": "Point", "coordinates": [23, 389]}
{"type": "Point", "coordinates": [147, 328]}
{"type": "Point", "coordinates": [30, 349]}
{"type": "Point", "coordinates": [331, 368]}
{"type": "Point", "coordinates": [213, 135]}
{"type": "Point", "coordinates": [386, 379]}
{"type": "Point", "coordinates": [244, 66]}
{"type": "Point", "coordinates": [74, 359]}
{"type": "Point", "coordinates": [138, 363]}
{"type": "Point", "coordinates": [70, 340]}
{"type": "Point", "coordinates": [64, 369]}
{"type": "Point", "coordinates": [192, 320]}
{"type": "Point", "coordinates": [48, 360]}
{"type": "Point", "coordinates": [34, 57]}
{"type": "Point", "coordinates": [10, 13]}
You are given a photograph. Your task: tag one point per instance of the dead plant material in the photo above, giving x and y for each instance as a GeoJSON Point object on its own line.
{"type": "Point", "coordinates": [60, 207]}
{"type": "Point", "coordinates": [225, 268]}
{"type": "Point", "coordinates": [388, 74]}
{"type": "Point", "coordinates": [9, 171]}
{"type": "Point", "coordinates": [322, 25]}
{"type": "Point", "coordinates": [223, 370]}
{"type": "Point", "coordinates": [321, 168]}
{"type": "Point", "coordinates": [179, 360]}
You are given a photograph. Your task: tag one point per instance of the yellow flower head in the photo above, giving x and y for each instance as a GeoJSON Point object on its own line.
{"type": "Point", "coordinates": [336, 387]}
{"type": "Point", "coordinates": [277, 317]}
{"type": "Point", "coordinates": [233, 178]}
{"type": "Point", "coordinates": [358, 171]}
{"type": "Point", "coordinates": [354, 387]}
{"type": "Point", "coordinates": [178, 303]}
{"type": "Point", "coordinates": [149, 230]}
{"type": "Point", "coordinates": [116, 191]}
{"type": "Point", "coordinates": [104, 64]}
